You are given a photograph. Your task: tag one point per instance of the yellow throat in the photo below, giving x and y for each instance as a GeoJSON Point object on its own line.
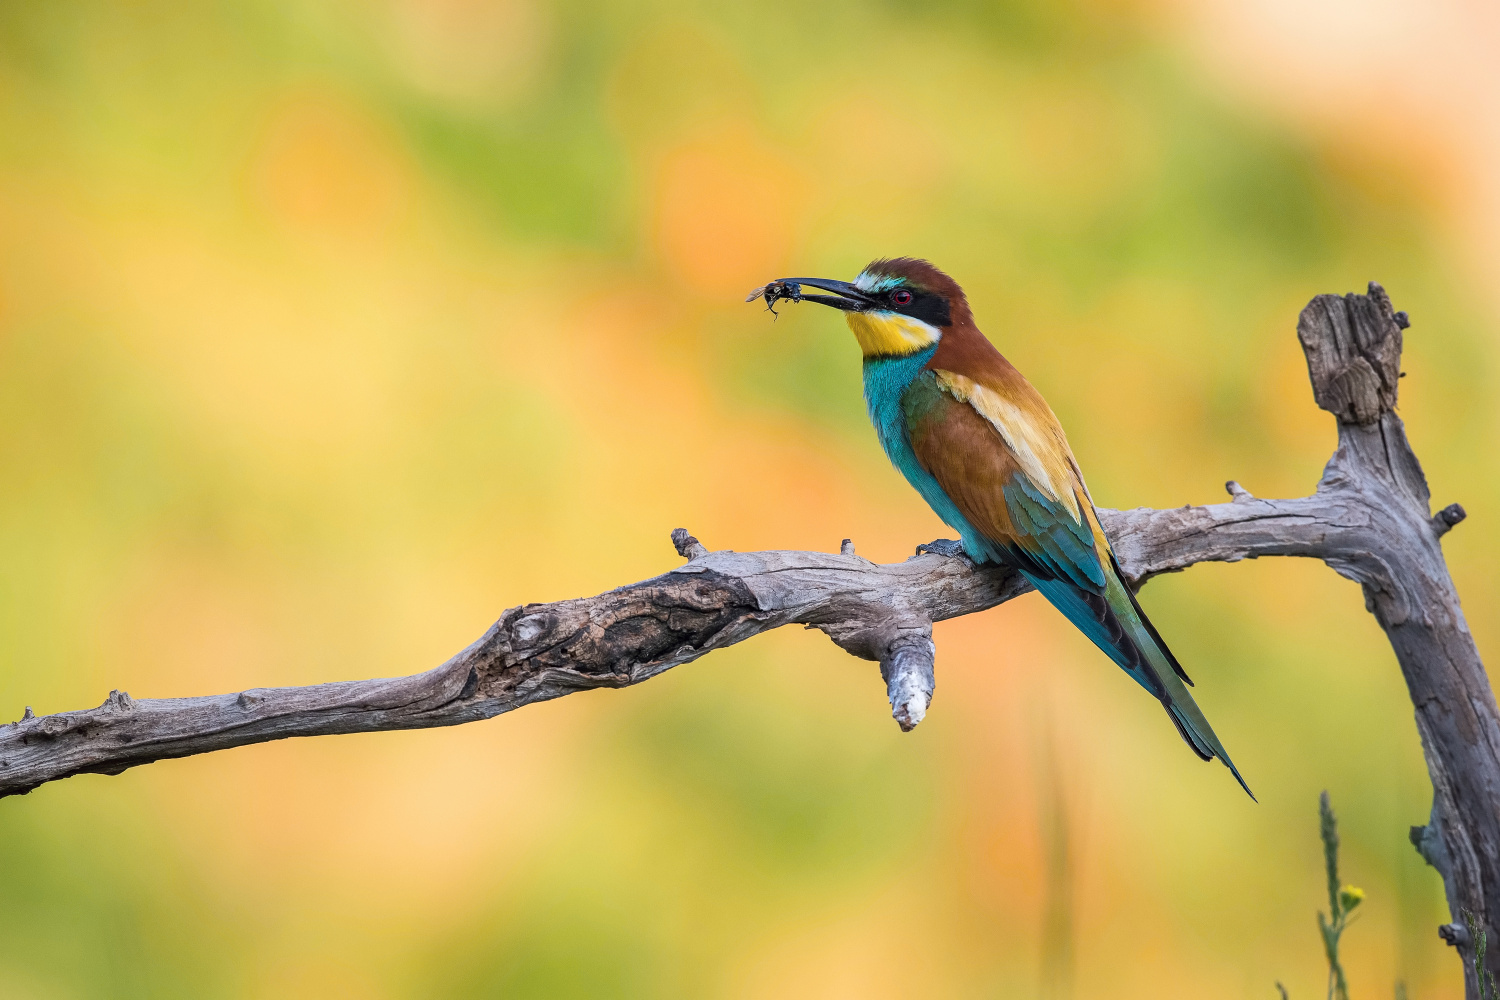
{"type": "Point", "coordinates": [887, 334]}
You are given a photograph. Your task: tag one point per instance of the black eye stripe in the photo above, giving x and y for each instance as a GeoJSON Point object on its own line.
{"type": "Point", "coordinates": [925, 306]}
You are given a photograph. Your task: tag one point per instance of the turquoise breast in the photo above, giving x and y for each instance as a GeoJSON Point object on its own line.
{"type": "Point", "coordinates": [886, 381]}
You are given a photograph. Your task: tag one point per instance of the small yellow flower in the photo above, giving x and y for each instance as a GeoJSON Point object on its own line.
{"type": "Point", "coordinates": [1350, 897]}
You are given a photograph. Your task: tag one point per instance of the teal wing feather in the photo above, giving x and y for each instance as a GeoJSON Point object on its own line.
{"type": "Point", "coordinates": [1049, 533]}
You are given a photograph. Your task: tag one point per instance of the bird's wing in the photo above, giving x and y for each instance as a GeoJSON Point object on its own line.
{"type": "Point", "coordinates": [1065, 555]}
{"type": "Point", "coordinates": [1010, 474]}
{"type": "Point", "coordinates": [1048, 499]}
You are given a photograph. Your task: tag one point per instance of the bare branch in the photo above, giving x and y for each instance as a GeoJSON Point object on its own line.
{"type": "Point", "coordinates": [1368, 519]}
{"type": "Point", "coordinates": [543, 651]}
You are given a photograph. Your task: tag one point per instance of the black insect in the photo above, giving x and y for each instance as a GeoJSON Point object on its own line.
{"type": "Point", "coordinates": [775, 292]}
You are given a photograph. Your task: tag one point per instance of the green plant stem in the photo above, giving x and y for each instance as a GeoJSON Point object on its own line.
{"type": "Point", "coordinates": [1332, 926]}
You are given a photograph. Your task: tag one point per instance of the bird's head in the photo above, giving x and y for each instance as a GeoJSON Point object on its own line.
{"type": "Point", "coordinates": [896, 306]}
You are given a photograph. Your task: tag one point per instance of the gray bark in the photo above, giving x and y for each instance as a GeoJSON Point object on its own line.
{"type": "Point", "coordinates": [1368, 519]}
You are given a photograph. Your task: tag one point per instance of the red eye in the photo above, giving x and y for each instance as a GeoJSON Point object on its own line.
{"type": "Point", "coordinates": [902, 297]}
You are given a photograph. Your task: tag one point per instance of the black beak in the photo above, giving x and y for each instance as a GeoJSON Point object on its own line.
{"type": "Point", "coordinates": [851, 298]}
{"type": "Point", "coordinates": [847, 297]}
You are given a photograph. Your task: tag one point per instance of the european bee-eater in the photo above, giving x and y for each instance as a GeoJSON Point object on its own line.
{"type": "Point", "coordinates": [987, 453]}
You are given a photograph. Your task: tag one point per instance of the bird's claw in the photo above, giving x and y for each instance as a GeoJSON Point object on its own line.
{"type": "Point", "coordinates": [946, 547]}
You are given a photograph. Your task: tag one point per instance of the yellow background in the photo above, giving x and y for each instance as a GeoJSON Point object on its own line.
{"type": "Point", "coordinates": [329, 330]}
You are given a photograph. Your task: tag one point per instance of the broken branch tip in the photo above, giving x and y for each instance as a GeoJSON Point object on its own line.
{"type": "Point", "coordinates": [1444, 520]}
{"type": "Point", "coordinates": [1237, 492]}
{"type": "Point", "coordinates": [686, 545]}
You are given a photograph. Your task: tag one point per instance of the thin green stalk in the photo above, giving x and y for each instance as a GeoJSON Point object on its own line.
{"type": "Point", "coordinates": [1342, 899]}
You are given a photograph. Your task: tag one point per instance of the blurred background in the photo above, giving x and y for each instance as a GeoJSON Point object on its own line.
{"type": "Point", "coordinates": [329, 330]}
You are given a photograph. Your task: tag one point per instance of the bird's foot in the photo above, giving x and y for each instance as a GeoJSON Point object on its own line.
{"type": "Point", "coordinates": [942, 547]}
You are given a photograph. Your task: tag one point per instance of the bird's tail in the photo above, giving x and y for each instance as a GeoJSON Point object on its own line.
{"type": "Point", "coordinates": [1196, 730]}
{"type": "Point", "coordinates": [1116, 624]}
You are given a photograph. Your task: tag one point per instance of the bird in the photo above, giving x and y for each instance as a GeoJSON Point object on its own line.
{"type": "Point", "coordinates": [979, 443]}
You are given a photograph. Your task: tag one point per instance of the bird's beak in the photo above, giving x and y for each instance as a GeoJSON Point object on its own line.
{"type": "Point", "coordinates": [846, 296]}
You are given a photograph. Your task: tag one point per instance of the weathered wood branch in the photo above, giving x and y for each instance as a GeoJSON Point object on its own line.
{"type": "Point", "coordinates": [1369, 519]}
{"type": "Point", "coordinates": [543, 651]}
